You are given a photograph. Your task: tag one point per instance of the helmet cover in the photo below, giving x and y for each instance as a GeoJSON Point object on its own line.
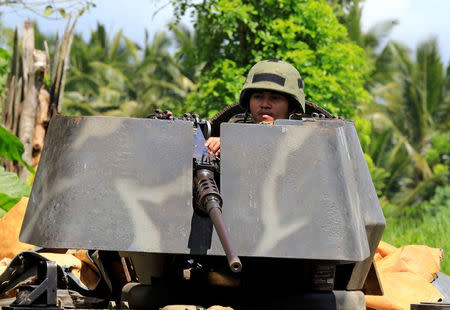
{"type": "Point", "coordinates": [274, 75]}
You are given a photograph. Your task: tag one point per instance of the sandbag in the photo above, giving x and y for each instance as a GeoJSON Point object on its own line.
{"type": "Point", "coordinates": [406, 275]}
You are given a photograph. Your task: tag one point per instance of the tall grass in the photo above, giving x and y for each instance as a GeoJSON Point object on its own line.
{"type": "Point", "coordinates": [432, 230]}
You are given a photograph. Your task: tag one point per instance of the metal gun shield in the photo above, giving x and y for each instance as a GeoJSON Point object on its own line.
{"type": "Point", "coordinates": [298, 189]}
{"type": "Point", "coordinates": [113, 183]}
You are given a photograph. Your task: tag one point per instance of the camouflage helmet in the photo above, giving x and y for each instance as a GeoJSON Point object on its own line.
{"type": "Point", "coordinates": [275, 75]}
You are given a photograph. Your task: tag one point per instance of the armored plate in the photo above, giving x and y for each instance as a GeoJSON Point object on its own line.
{"type": "Point", "coordinates": [113, 183]}
{"type": "Point", "coordinates": [298, 189]}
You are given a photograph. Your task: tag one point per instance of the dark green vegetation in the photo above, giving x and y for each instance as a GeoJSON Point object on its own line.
{"type": "Point", "coordinates": [400, 102]}
{"type": "Point", "coordinates": [11, 187]}
{"type": "Point", "coordinates": [303, 33]}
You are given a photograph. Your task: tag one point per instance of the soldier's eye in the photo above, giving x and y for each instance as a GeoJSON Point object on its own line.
{"type": "Point", "coordinates": [256, 96]}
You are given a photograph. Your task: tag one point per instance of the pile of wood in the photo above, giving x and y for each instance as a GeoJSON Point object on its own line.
{"type": "Point", "coordinates": [30, 103]}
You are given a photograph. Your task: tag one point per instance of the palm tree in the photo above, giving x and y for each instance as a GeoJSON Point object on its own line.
{"type": "Point", "coordinates": [150, 82]}
{"type": "Point", "coordinates": [349, 13]}
{"type": "Point", "coordinates": [98, 77]}
{"type": "Point", "coordinates": [411, 105]}
{"type": "Point", "coordinates": [186, 55]}
{"type": "Point", "coordinates": [113, 77]}
{"type": "Point", "coordinates": [164, 80]}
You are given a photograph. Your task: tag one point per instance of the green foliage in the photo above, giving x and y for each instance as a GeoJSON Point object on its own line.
{"type": "Point", "coordinates": [432, 156]}
{"type": "Point", "coordinates": [219, 88]}
{"type": "Point", "coordinates": [440, 169]}
{"type": "Point", "coordinates": [12, 189]}
{"type": "Point", "coordinates": [4, 61]}
{"type": "Point", "coordinates": [379, 175]}
{"type": "Point", "coordinates": [97, 62]}
{"type": "Point", "coordinates": [159, 80]}
{"type": "Point", "coordinates": [109, 76]}
{"type": "Point", "coordinates": [364, 129]}
{"type": "Point", "coordinates": [4, 69]}
{"type": "Point", "coordinates": [439, 202]}
{"type": "Point", "coordinates": [427, 223]}
{"type": "Point", "coordinates": [439, 150]}
{"type": "Point", "coordinates": [11, 148]}
{"type": "Point", "coordinates": [236, 34]}
{"type": "Point", "coordinates": [411, 112]}
{"type": "Point", "coordinates": [406, 145]}
{"type": "Point", "coordinates": [98, 80]}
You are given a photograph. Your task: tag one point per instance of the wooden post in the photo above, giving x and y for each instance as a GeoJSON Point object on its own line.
{"type": "Point", "coordinates": [41, 64]}
{"type": "Point", "coordinates": [28, 106]}
{"type": "Point", "coordinates": [60, 65]}
{"type": "Point", "coordinates": [12, 105]}
{"type": "Point", "coordinates": [28, 115]}
{"type": "Point", "coordinates": [13, 91]}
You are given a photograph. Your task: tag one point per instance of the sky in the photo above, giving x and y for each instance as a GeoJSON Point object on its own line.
{"type": "Point", "coordinates": [418, 19]}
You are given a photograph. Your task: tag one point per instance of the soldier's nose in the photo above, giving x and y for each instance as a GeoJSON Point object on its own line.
{"type": "Point", "coordinates": [265, 103]}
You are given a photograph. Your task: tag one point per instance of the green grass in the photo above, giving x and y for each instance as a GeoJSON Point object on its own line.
{"type": "Point", "coordinates": [431, 230]}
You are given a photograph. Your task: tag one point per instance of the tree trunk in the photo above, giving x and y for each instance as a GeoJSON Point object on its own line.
{"type": "Point", "coordinates": [40, 129]}
{"type": "Point", "coordinates": [28, 115]}
{"type": "Point", "coordinates": [28, 106]}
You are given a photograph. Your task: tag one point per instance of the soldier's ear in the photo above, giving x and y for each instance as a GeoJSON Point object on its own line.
{"type": "Point", "coordinates": [292, 105]}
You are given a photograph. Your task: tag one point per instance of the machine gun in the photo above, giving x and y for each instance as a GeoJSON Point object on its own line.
{"type": "Point", "coordinates": [207, 197]}
{"type": "Point", "coordinates": [289, 208]}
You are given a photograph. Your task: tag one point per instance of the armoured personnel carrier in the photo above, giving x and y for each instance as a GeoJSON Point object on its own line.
{"type": "Point", "coordinates": [286, 218]}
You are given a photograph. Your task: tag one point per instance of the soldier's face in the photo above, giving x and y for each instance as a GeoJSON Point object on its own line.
{"type": "Point", "coordinates": [268, 106]}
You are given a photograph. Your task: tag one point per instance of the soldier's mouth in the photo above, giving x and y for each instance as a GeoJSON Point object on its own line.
{"type": "Point", "coordinates": [265, 114]}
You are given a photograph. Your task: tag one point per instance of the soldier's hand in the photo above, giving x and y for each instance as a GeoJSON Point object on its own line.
{"type": "Point", "coordinates": [213, 145]}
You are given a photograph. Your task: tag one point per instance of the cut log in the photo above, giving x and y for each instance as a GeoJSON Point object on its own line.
{"type": "Point", "coordinates": [40, 129]}
{"type": "Point", "coordinates": [28, 115]}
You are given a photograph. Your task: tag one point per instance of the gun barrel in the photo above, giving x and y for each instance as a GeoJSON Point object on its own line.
{"type": "Point", "coordinates": [210, 202]}
{"type": "Point", "coordinates": [214, 211]}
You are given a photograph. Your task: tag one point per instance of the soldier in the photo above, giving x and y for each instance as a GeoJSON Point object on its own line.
{"type": "Point", "coordinates": [273, 90]}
